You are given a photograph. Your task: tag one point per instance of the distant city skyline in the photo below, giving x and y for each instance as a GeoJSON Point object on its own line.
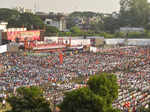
{"type": "Point", "coordinates": [66, 6]}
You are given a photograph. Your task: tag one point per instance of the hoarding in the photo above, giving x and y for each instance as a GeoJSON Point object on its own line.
{"type": "Point", "coordinates": [3, 48]}
{"type": "Point", "coordinates": [80, 42]}
{"type": "Point", "coordinates": [22, 35]}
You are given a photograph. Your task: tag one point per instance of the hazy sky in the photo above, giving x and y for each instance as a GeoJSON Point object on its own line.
{"type": "Point", "coordinates": [106, 6]}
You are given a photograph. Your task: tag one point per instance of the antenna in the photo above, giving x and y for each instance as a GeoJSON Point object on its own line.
{"type": "Point", "coordinates": [38, 5]}
{"type": "Point", "coordinates": [35, 7]}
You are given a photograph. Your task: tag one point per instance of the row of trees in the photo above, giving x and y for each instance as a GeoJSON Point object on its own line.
{"type": "Point", "coordinates": [16, 19]}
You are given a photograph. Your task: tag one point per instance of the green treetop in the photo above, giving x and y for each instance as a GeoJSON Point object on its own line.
{"type": "Point", "coordinates": [29, 100]}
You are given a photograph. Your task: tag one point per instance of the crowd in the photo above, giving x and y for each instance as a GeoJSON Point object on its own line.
{"type": "Point", "coordinates": [130, 64]}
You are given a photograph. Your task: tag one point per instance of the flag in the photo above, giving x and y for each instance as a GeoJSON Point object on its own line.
{"type": "Point", "coordinates": [61, 58]}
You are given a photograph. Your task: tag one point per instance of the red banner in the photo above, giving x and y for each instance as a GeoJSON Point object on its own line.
{"type": "Point", "coordinates": [22, 35]}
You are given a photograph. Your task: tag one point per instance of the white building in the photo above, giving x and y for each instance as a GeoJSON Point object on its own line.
{"type": "Point", "coordinates": [60, 25]}
{"type": "Point", "coordinates": [23, 10]}
{"type": "Point", "coordinates": [131, 29]}
{"type": "Point", "coordinates": [3, 26]}
{"type": "Point", "coordinates": [50, 22]}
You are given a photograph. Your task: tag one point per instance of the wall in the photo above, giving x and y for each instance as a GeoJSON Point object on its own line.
{"type": "Point", "coordinates": [138, 42]}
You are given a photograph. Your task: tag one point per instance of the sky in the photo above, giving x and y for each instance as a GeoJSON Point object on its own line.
{"type": "Point", "coordinates": [66, 6]}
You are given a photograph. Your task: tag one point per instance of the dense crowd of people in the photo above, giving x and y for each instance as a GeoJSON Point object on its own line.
{"type": "Point", "coordinates": [131, 64]}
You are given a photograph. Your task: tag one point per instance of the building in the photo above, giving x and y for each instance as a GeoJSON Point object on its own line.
{"type": "Point", "coordinates": [23, 10]}
{"type": "Point", "coordinates": [131, 29]}
{"type": "Point", "coordinates": [50, 22]}
{"type": "Point", "coordinates": [59, 24]}
{"type": "Point", "coordinates": [42, 15]}
{"type": "Point", "coordinates": [62, 23]}
{"type": "Point", "coordinates": [3, 26]}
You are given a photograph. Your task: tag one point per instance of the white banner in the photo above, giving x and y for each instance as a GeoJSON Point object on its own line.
{"type": "Point", "coordinates": [93, 49]}
{"type": "Point", "coordinates": [80, 42]}
{"type": "Point", "coordinates": [3, 48]}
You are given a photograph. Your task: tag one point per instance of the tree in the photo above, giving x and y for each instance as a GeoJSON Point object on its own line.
{"type": "Point", "coordinates": [51, 31]}
{"type": "Point", "coordinates": [10, 16]}
{"type": "Point", "coordinates": [7, 14]}
{"type": "Point", "coordinates": [105, 85]}
{"type": "Point", "coordinates": [85, 14]}
{"type": "Point", "coordinates": [134, 13]}
{"type": "Point", "coordinates": [29, 100]}
{"type": "Point", "coordinates": [97, 27]}
{"type": "Point", "coordinates": [62, 34]}
{"type": "Point", "coordinates": [76, 31]}
{"type": "Point", "coordinates": [30, 21]}
{"type": "Point", "coordinates": [82, 100]}
{"type": "Point", "coordinates": [110, 24]}
{"type": "Point", "coordinates": [124, 5]}
{"type": "Point", "coordinates": [70, 22]}
{"type": "Point", "coordinates": [16, 19]}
